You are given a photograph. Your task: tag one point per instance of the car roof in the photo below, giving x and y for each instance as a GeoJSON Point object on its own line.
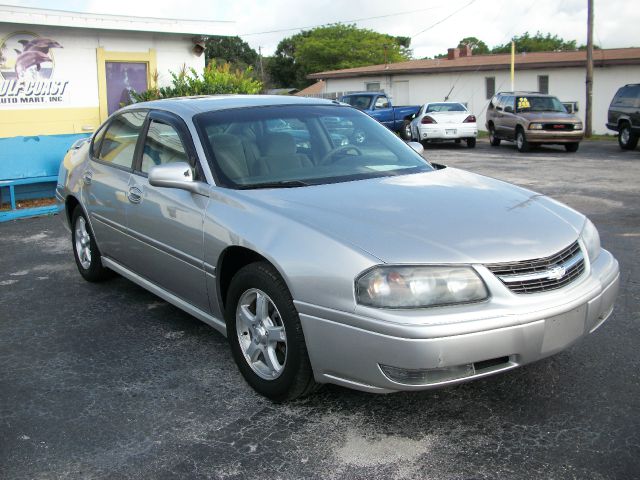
{"type": "Point", "coordinates": [523, 92]}
{"type": "Point", "coordinates": [189, 106]}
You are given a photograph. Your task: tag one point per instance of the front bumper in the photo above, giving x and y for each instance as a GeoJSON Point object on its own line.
{"type": "Point", "coordinates": [546, 136]}
{"type": "Point", "coordinates": [447, 131]}
{"type": "Point", "coordinates": [352, 350]}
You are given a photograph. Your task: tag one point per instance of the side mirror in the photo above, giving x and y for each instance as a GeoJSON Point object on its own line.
{"type": "Point", "coordinates": [176, 175]}
{"type": "Point", "coordinates": [417, 147]}
{"type": "Point", "coordinates": [508, 109]}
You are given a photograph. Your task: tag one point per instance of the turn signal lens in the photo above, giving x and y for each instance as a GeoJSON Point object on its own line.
{"type": "Point", "coordinates": [427, 120]}
{"type": "Point", "coordinates": [470, 119]}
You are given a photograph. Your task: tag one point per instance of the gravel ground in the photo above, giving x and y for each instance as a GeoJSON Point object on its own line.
{"type": "Point", "coordinates": [109, 381]}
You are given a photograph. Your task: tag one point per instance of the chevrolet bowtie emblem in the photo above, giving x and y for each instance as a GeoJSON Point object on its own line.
{"type": "Point", "coordinates": [556, 273]}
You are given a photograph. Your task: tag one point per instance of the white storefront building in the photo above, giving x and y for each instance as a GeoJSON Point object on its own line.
{"type": "Point", "coordinates": [474, 79]}
{"type": "Point", "coordinates": [63, 73]}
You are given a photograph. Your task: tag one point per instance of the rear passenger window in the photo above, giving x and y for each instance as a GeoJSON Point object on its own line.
{"type": "Point", "coordinates": [119, 142]}
{"type": "Point", "coordinates": [162, 146]}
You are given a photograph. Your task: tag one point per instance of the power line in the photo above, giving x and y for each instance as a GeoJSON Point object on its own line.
{"type": "Point", "coordinates": [440, 21]}
{"type": "Point", "coordinates": [412, 12]}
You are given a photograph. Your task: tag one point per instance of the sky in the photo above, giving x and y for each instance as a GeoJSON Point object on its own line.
{"type": "Point", "coordinates": [432, 25]}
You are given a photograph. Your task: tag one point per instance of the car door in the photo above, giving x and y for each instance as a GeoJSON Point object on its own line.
{"type": "Point", "coordinates": [509, 118]}
{"type": "Point", "coordinates": [106, 181]}
{"type": "Point", "coordinates": [383, 112]}
{"type": "Point", "coordinates": [166, 224]}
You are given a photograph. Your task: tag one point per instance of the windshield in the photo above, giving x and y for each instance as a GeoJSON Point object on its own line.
{"type": "Point", "coordinates": [445, 107]}
{"type": "Point", "coordinates": [539, 104]}
{"type": "Point", "coordinates": [361, 102]}
{"type": "Point", "coordinates": [291, 146]}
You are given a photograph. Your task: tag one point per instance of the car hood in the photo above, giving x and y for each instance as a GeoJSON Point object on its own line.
{"type": "Point", "coordinates": [549, 117]}
{"type": "Point", "coordinates": [444, 216]}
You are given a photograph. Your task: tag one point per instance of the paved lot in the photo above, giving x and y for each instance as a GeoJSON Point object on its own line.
{"type": "Point", "coordinates": [108, 381]}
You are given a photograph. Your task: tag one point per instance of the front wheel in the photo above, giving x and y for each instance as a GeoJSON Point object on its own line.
{"type": "Point", "coordinates": [493, 140]}
{"type": "Point", "coordinates": [521, 141]}
{"type": "Point", "coordinates": [265, 334]}
{"type": "Point", "coordinates": [626, 139]}
{"type": "Point", "coordinates": [471, 142]}
{"type": "Point", "coordinates": [85, 250]}
{"type": "Point", "coordinates": [405, 131]}
{"type": "Point", "coordinates": [571, 147]}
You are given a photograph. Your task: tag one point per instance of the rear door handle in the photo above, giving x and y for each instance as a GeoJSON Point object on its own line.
{"type": "Point", "coordinates": [86, 178]}
{"type": "Point", "coordinates": [135, 195]}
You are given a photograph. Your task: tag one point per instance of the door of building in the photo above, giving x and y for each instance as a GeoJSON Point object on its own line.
{"type": "Point", "coordinates": [122, 79]}
{"type": "Point", "coordinates": [401, 93]}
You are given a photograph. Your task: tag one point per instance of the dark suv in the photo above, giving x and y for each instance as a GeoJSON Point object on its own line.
{"type": "Point", "coordinates": [624, 115]}
{"type": "Point", "coordinates": [532, 118]}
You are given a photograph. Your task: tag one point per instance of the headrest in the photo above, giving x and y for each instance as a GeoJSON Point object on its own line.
{"type": "Point", "coordinates": [279, 144]}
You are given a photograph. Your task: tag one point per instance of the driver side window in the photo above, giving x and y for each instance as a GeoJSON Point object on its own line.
{"type": "Point", "coordinates": [382, 102]}
{"type": "Point", "coordinates": [162, 146]}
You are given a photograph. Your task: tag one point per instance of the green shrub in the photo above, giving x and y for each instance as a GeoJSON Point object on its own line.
{"type": "Point", "coordinates": [216, 79]}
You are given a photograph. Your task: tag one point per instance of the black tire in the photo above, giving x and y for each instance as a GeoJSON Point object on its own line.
{"type": "Point", "coordinates": [458, 141]}
{"type": "Point", "coordinates": [90, 266]}
{"type": "Point", "coordinates": [405, 131]}
{"type": "Point", "coordinates": [296, 377]}
{"type": "Point", "coordinates": [521, 141]}
{"type": "Point", "coordinates": [571, 147]}
{"type": "Point", "coordinates": [493, 140]}
{"type": "Point", "coordinates": [425, 144]}
{"type": "Point", "coordinates": [471, 143]}
{"type": "Point", "coordinates": [626, 139]}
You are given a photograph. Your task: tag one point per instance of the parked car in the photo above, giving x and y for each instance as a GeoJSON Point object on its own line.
{"type": "Point", "coordinates": [378, 106]}
{"type": "Point", "coordinates": [624, 115]}
{"type": "Point", "coordinates": [360, 265]}
{"type": "Point", "coordinates": [442, 121]}
{"type": "Point", "coordinates": [531, 119]}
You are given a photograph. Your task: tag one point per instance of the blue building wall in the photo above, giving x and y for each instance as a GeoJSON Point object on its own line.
{"type": "Point", "coordinates": [35, 156]}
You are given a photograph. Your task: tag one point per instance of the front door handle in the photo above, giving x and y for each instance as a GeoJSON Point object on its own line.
{"type": "Point", "coordinates": [135, 195]}
{"type": "Point", "coordinates": [86, 178]}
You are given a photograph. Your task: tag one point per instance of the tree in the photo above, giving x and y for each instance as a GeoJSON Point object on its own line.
{"type": "Point", "coordinates": [478, 47]}
{"type": "Point", "coordinates": [232, 50]}
{"type": "Point", "coordinates": [537, 43]}
{"type": "Point", "coordinates": [333, 47]}
{"type": "Point", "coordinates": [215, 79]}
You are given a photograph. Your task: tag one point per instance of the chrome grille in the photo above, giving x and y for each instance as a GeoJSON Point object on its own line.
{"type": "Point", "coordinates": [541, 274]}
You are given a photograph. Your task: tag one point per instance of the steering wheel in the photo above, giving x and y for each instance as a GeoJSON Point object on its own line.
{"type": "Point", "coordinates": [344, 148]}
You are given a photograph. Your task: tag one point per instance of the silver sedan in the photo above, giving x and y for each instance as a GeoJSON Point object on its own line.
{"type": "Point", "coordinates": [326, 260]}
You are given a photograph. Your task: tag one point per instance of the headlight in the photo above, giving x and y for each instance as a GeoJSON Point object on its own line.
{"type": "Point", "coordinates": [577, 126]}
{"type": "Point", "coordinates": [415, 287]}
{"type": "Point", "coordinates": [535, 126]}
{"type": "Point", "coordinates": [591, 240]}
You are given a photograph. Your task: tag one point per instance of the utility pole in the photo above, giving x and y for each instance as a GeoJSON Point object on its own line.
{"type": "Point", "coordinates": [589, 82]}
{"type": "Point", "coordinates": [261, 67]}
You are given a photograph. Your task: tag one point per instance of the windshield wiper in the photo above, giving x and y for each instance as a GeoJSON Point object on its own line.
{"type": "Point", "coordinates": [278, 184]}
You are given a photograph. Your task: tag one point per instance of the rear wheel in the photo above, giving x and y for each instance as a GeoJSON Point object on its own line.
{"type": "Point", "coordinates": [265, 334]}
{"type": "Point", "coordinates": [571, 147]}
{"type": "Point", "coordinates": [405, 131]}
{"type": "Point", "coordinates": [493, 140]}
{"type": "Point", "coordinates": [626, 139]}
{"type": "Point", "coordinates": [471, 142]}
{"type": "Point", "coordinates": [521, 141]}
{"type": "Point", "coordinates": [85, 250]}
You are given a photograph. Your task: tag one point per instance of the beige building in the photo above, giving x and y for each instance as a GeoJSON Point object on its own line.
{"type": "Point", "coordinates": [474, 79]}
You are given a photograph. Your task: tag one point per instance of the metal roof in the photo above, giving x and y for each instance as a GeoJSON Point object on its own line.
{"type": "Point", "coordinates": [63, 18]}
{"type": "Point", "coordinates": [523, 61]}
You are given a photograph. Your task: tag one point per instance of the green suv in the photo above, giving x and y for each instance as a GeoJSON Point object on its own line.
{"type": "Point", "coordinates": [531, 118]}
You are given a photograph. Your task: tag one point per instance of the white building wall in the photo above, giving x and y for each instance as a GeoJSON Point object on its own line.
{"type": "Point", "coordinates": [568, 84]}
{"type": "Point", "coordinates": [76, 61]}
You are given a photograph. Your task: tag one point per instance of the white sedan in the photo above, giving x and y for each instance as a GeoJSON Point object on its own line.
{"type": "Point", "coordinates": [444, 121]}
